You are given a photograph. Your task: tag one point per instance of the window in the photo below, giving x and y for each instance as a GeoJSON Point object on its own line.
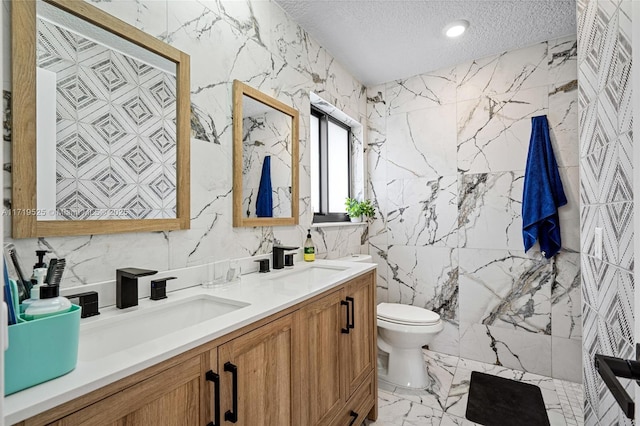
{"type": "Point", "coordinates": [330, 167]}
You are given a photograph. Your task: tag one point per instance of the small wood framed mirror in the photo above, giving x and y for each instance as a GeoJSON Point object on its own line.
{"type": "Point", "coordinates": [265, 159]}
{"type": "Point", "coordinates": [101, 124]}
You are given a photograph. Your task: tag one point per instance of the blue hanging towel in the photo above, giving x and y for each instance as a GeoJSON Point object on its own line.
{"type": "Point", "coordinates": [264, 202]}
{"type": "Point", "coordinates": [543, 193]}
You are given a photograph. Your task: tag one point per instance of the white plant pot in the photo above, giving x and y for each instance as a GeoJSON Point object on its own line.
{"type": "Point", "coordinates": [356, 219]}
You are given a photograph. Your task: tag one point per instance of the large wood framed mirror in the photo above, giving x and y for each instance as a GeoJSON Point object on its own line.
{"type": "Point", "coordinates": [101, 124]}
{"type": "Point", "coordinates": [265, 159]}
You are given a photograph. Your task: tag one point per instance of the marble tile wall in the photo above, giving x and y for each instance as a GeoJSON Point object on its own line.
{"type": "Point", "coordinates": [252, 41]}
{"type": "Point", "coordinates": [446, 153]}
{"type": "Point", "coordinates": [606, 192]}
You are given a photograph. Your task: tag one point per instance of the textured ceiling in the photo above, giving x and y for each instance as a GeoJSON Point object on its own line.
{"type": "Point", "coordinates": [380, 41]}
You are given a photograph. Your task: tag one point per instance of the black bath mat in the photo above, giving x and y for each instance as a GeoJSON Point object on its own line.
{"type": "Point", "coordinates": [494, 401]}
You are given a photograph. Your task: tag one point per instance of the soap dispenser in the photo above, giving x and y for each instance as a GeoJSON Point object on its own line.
{"type": "Point", "coordinates": [50, 303]}
{"type": "Point", "coordinates": [39, 274]}
{"type": "Point", "coordinates": [309, 248]}
{"type": "Point", "coordinates": [37, 279]}
{"type": "Point", "coordinates": [40, 264]}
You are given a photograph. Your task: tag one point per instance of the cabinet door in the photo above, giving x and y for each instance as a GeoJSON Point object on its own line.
{"type": "Point", "coordinates": [360, 351]}
{"type": "Point", "coordinates": [261, 362]}
{"type": "Point", "coordinates": [322, 390]}
{"type": "Point", "coordinates": [167, 399]}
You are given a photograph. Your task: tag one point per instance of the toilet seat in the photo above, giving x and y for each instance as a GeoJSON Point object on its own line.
{"type": "Point", "coordinates": [397, 313]}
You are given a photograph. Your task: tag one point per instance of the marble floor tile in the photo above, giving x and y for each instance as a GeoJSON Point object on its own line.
{"type": "Point", "coordinates": [571, 396]}
{"type": "Point", "coordinates": [459, 395]}
{"type": "Point", "coordinates": [543, 382]}
{"type": "Point", "coordinates": [444, 402]}
{"type": "Point", "coordinates": [449, 420]}
{"type": "Point", "coordinates": [393, 410]}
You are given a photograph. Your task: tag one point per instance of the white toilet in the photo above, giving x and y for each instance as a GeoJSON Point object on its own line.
{"type": "Point", "coordinates": [402, 332]}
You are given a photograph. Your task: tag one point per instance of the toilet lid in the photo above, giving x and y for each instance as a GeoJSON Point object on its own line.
{"type": "Point", "coordinates": [406, 314]}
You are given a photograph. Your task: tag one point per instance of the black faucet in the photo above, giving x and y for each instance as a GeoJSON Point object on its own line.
{"type": "Point", "coordinates": [159, 288]}
{"type": "Point", "coordinates": [278, 255]}
{"type": "Point", "coordinates": [127, 285]}
{"type": "Point", "coordinates": [88, 302]}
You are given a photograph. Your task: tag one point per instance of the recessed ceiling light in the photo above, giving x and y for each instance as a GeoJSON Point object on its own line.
{"type": "Point", "coordinates": [456, 28]}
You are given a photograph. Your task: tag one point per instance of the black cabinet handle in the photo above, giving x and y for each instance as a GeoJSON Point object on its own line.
{"type": "Point", "coordinates": [346, 330]}
{"type": "Point", "coordinates": [232, 416]}
{"type": "Point", "coordinates": [352, 324]}
{"type": "Point", "coordinates": [355, 417]}
{"type": "Point", "coordinates": [215, 378]}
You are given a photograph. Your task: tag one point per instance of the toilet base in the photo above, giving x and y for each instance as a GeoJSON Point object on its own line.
{"type": "Point", "coordinates": [406, 368]}
{"type": "Point", "coordinates": [387, 384]}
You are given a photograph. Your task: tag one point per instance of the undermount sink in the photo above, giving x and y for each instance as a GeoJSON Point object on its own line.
{"type": "Point", "coordinates": [129, 329]}
{"type": "Point", "coordinates": [310, 277]}
{"type": "Point", "coordinates": [315, 272]}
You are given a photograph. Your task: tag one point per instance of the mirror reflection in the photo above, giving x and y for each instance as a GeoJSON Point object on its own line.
{"type": "Point", "coordinates": [106, 112]}
{"type": "Point", "coordinates": [265, 133]}
{"type": "Point", "coordinates": [266, 160]}
{"type": "Point", "coordinates": [100, 124]}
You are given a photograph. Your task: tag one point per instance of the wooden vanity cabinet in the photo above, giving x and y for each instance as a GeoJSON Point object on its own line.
{"type": "Point", "coordinates": [359, 406]}
{"type": "Point", "coordinates": [338, 359]}
{"type": "Point", "coordinates": [261, 393]}
{"type": "Point", "coordinates": [360, 351]}
{"type": "Point", "coordinates": [263, 363]}
{"type": "Point", "coordinates": [297, 367]}
{"type": "Point", "coordinates": [171, 397]}
{"type": "Point", "coordinates": [319, 348]}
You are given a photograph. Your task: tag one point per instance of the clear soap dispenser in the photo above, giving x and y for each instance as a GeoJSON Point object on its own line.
{"type": "Point", "coordinates": [50, 303]}
{"type": "Point", "coordinates": [37, 279]}
{"type": "Point", "coordinates": [309, 248]}
{"type": "Point", "coordinates": [39, 275]}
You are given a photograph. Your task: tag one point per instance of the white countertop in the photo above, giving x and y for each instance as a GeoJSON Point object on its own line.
{"type": "Point", "coordinates": [265, 294]}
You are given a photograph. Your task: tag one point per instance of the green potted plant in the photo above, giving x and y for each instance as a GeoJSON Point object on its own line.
{"type": "Point", "coordinates": [367, 209]}
{"type": "Point", "coordinates": [353, 209]}
{"type": "Point", "coordinates": [357, 209]}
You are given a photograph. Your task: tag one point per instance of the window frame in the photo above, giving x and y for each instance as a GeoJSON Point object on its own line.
{"type": "Point", "coordinates": [323, 216]}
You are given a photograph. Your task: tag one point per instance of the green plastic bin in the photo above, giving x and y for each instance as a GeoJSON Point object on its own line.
{"type": "Point", "coordinates": [41, 350]}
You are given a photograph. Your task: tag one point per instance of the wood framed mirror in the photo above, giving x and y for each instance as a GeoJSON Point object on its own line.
{"type": "Point", "coordinates": [265, 159]}
{"type": "Point", "coordinates": [101, 124]}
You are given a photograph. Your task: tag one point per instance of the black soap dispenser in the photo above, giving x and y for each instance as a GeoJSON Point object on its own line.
{"type": "Point", "coordinates": [40, 263]}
